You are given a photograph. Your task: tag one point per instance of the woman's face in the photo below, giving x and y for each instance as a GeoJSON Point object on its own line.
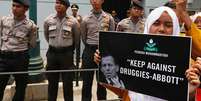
{"type": "Point", "coordinates": [198, 22]}
{"type": "Point", "coordinates": [163, 25]}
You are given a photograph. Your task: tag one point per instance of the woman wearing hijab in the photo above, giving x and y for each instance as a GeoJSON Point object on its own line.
{"type": "Point", "coordinates": [161, 20]}
{"type": "Point", "coordinates": [190, 26]}
{"type": "Point", "coordinates": [197, 20]}
{"type": "Point", "coordinates": [179, 6]}
{"type": "Point", "coordinates": [195, 28]}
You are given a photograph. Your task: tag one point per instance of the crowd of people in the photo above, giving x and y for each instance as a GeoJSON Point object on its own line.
{"type": "Point", "coordinates": [64, 33]}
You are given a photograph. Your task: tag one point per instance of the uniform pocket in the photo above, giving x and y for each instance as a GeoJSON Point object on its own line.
{"type": "Point", "coordinates": [52, 31]}
{"type": "Point", "coordinates": [67, 31]}
{"type": "Point", "coordinates": [20, 36]}
{"type": "Point", "coordinates": [4, 38]}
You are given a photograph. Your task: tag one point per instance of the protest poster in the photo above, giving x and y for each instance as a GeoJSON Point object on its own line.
{"type": "Point", "coordinates": [154, 65]}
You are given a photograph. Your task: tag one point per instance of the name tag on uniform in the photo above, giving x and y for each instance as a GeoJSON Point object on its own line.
{"type": "Point", "coordinates": [52, 28]}
{"type": "Point", "coordinates": [67, 28]}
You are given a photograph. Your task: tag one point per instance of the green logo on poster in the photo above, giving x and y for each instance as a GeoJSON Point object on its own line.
{"type": "Point", "coordinates": [150, 46]}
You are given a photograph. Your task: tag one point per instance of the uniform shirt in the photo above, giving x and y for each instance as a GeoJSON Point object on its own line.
{"type": "Point", "coordinates": [17, 35]}
{"type": "Point", "coordinates": [127, 25]}
{"type": "Point", "coordinates": [79, 18]}
{"type": "Point", "coordinates": [61, 33]}
{"type": "Point", "coordinates": [92, 24]}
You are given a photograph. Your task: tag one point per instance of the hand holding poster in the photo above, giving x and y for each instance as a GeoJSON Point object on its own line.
{"type": "Point", "coordinates": [149, 64]}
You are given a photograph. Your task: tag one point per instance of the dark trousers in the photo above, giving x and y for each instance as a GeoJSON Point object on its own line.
{"type": "Point", "coordinates": [88, 63]}
{"type": "Point", "coordinates": [60, 61]}
{"type": "Point", "coordinates": [14, 62]}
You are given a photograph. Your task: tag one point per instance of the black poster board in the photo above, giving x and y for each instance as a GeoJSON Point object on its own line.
{"type": "Point", "coordinates": [154, 65]}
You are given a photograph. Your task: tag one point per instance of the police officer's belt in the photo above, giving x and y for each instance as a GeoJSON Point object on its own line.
{"type": "Point", "coordinates": [93, 47]}
{"type": "Point", "coordinates": [13, 53]}
{"type": "Point", "coordinates": [60, 49]}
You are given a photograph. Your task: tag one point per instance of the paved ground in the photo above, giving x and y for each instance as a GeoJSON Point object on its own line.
{"type": "Point", "coordinates": [38, 92]}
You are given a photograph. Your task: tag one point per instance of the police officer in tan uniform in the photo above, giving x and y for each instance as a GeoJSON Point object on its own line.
{"type": "Point", "coordinates": [134, 23]}
{"type": "Point", "coordinates": [91, 25]}
{"type": "Point", "coordinates": [75, 8]}
{"type": "Point", "coordinates": [18, 35]}
{"type": "Point", "coordinates": [62, 34]}
{"type": "Point", "coordinates": [116, 19]}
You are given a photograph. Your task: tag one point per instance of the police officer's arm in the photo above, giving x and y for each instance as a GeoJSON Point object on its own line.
{"type": "Point", "coordinates": [33, 36]}
{"type": "Point", "coordinates": [79, 19]}
{"type": "Point", "coordinates": [76, 37]}
{"type": "Point", "coordinates": [111, 24]}
{"type": "Point", "coordinates": [83, 28]}
{"type": "Point", "coordinates": [46, 34]}
{"type": "Point", "coordinates": [120, 26]}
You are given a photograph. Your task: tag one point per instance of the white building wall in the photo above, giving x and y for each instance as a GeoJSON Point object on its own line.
{"type": "Point", "coordinates": [193, 5]}
{"type": "Point", "coordinates": [151, 4]}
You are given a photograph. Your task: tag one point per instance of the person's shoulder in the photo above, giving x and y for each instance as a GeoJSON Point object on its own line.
{"type": "Point", "coordinates": [30, 21]}
{"type": "Point", "coordinates": [87, 17]}
{"type": "Point", "coordinates": [108, 14]}
{"type": "Point", "coordinates": [72, 20]}
{"type": "Point", "coordinates": [50, 17]}
{"type": "Point", "coordinates": [7, 18]}
{"type": "Point", "coordinates": [143, 20]}
{"type": "Point", "coordinates": [124, 21]}
{"type": "Point", "coordinates": [79, 15]}
{"type": "Point", "coordinates": [31, 24]}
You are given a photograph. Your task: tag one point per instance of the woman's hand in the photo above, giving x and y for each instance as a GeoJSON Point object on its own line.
{"type": "Point", "coordinates": [193, 76]}
{"type": "Point", "coordinates": [182, 13]}
{"type": "Point", "coordinates": [194, 72]}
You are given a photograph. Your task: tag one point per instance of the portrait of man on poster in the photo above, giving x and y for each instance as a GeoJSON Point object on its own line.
{"type": "Point", "coordinates": [110, 68]}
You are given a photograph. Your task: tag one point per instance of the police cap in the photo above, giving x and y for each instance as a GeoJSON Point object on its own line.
{"type": "Point", "coordinates": [65, 2]}
{"type": "Point", "coordinates": [138, 3]}
{"type": "Point", "coordinates": [23, 2]}
{"type": "Point", "coordinates": [74, 6]}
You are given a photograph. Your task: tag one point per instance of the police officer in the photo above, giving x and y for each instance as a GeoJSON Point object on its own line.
{"type": "Point", "coordinates": [116, 19]}
{"type": "Point", "coordinates": [134, 23]}
{"type": "Point", "coordinates": [62, 34]}
{"type": "Point", "coordinates": [91, 25]}
{"type": "Point", "coordinates": [75, 8]}
{"type": "Point", "coordinates": [18, 35]}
